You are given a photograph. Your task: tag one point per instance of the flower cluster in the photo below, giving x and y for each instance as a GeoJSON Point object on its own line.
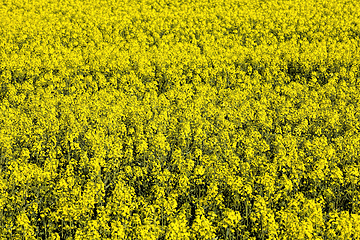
{"type": "Point", "coordinates": [159, 119]}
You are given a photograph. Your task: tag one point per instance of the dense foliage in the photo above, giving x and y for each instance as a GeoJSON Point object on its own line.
{"type": "Point", "coordinates": [179, 119]}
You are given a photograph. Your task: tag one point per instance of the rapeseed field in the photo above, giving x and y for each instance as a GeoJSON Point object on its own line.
{"type": "Point", "coordinates": [179, 119]}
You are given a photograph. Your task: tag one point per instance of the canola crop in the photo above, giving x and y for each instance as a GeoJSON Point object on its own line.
{"type": "Point", "coordinates": [179, 119]}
